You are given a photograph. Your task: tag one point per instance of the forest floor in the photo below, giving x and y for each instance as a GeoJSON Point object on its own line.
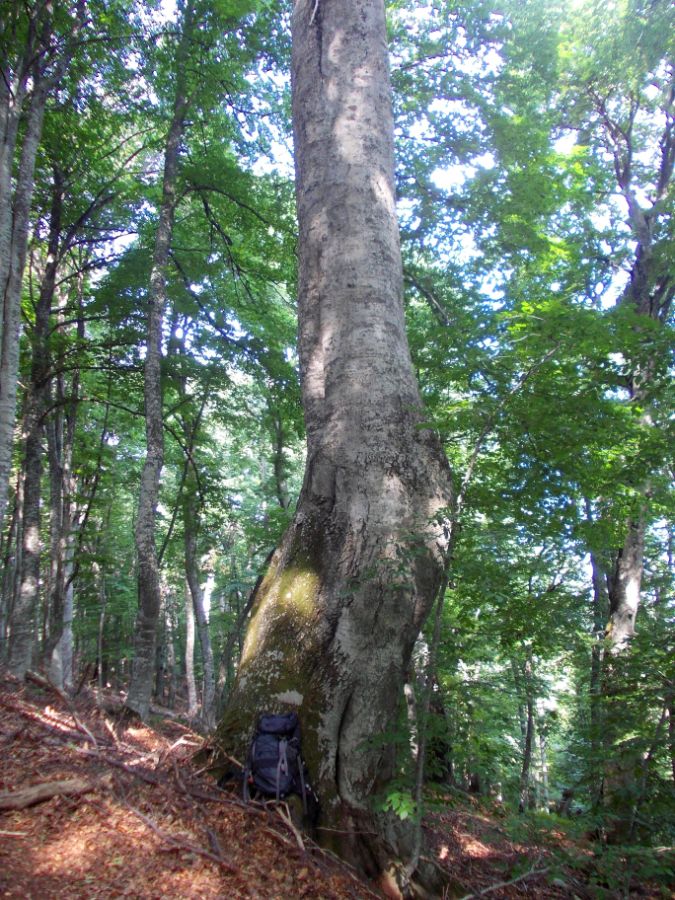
{"type": "Point", "coordinates": [115, 812]}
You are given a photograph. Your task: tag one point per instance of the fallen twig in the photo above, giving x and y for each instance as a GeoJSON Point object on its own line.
{"type": "Point", "coordinates": [181, 742]}
{"type": "Point", "coordinates": [65, 732]}
{"type": "Point", "coordinates": [502, 884]}
{"type": "Point", "coordinates": [228, 800]}
{"type": "Point", "coordinates": [139, 773]}
{"type": "Point", "coordinates": [38, 793]}
{"type": "Point", "coordinates": [276, 834]}
{"type": "Point", "coordinates": [111, 731]}
{"type": "Point", "coordinates": [288, 822]}
{"type": "Point", "coordinates": [47, 685]}
{"type": "Point", "coordinates": [215, 843]}
{"type": "Point", "coordinates": [182, 843]}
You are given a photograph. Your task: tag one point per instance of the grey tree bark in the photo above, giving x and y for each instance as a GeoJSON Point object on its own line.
{"type": "Point", "coordinates": [10, 289]}
{"type": "Point", "coordinates": [544, 796]}
{"type": "Point", "coordinates": [337, 614]}
{"type": "Point", "coordinates": [35, 405]}
{"type": "Point", "coordinates": [648, 296]}
{"type": "Point", "coordinates": [25, 86]}
{"type": "Point", "coordinates": [63, 490]}
{"type": "Point", "coordinates": [190, 525]}
{"type": "Point", "coordinates": [190, 654]}
{"type": "Point", "coordinates": [649, 293]}
{"type": "Point", "coordinates": [149, 595]}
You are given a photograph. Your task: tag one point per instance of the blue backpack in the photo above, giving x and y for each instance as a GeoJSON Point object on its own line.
{"type": "Point", "coordinates": [275, 768]}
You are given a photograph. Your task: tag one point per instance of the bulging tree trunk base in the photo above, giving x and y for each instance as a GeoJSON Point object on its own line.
{"type": "Point", "coordinates": [347, 592]}
{"type": "Point", "coordinates": [377, 845]}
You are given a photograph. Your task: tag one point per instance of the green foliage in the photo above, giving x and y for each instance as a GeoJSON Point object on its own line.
{"type": "Point", "coordinates": [401, 803]}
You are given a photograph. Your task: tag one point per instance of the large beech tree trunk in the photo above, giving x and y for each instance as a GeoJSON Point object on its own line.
{"type": "Point", "coordinates": [347, 591]}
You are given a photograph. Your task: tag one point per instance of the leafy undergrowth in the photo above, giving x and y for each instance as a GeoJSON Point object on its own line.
{"type": "Point", "coordinates": [131, 815]}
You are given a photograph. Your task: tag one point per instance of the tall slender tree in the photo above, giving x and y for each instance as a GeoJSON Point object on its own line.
{"type": "Point", "coordinates": [38, 41]}
{"type": "Point", "coordinates": [149, 592]}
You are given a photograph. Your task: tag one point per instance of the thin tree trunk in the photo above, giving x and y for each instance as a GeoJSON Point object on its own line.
{"type": "Point", "coordinates": [543, 762]}
{"type": "Point", "coordinates": [193, 706]}
{"type": "Point", "coordinates": [597, 737]}
{"type": "Point", "coordinates": [411, 716]}
{"type": "Point", "coordinates": [61, 439]}
{"type": "Point", "coordinates": [10, 289]}
{"type": "Point", "coordinates": [37, 394]}
{"type": "Point", "coordinates": [13, 91]}
{"type": "Point", "coordinates": [103, 604]}
{"type": "Point", "coordinates": [670, 701]}
{"type": "Point", "coordinates": [149, 594]}
{"type": "Point", "coordinates": [62, 657]}
{"type": "Point", "coordinates": [522, 714]}
{"type": "Point", "coordinates": [9, 562]}
{"type": "Point", "coordinates": [336, 617]}
{"type": "Point", "coordinates": [524, 784]}
{"type": "Point", "coordinates": [280, 461]}
{"type": "Point", "coordinates": [35, 76]}
{"type": "Point", "coordinates": [190, 525]}
{"type": "Point", "coordinates": [171, 668]}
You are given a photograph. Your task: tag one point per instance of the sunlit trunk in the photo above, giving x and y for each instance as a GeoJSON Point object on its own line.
{"type": "Point", "coordinates": [190, 654]}
{"type": "Point", "coordinates": [190, 525]}
{"type": "Point", "coordinates": [624, 582]}
{"type": "Point", "coordinates": [347, 591]}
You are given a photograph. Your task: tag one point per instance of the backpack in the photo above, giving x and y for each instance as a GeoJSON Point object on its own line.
{"type": "Point", "coordinates": [274, 767]}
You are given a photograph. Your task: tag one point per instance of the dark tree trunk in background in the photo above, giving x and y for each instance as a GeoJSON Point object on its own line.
{"type": "Point", "coordinates": [149, 595]}
{"type": "Point", "coordinates": [524, 792]}
{"type": "Point", "coordinates": [336, 617]}
{"type": "Point", "coordinates": [63, 490]}
{"type": "Point", "coordinates": [597, 738]}
{"type": "Point", "coordinates": [280, 460]}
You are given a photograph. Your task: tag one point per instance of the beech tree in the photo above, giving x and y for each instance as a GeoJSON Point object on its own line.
{"type": "Point", "coordinates": [149, 595]}
{"type": "Point", "coordinates": [347, 591]}
{"type": "Point", "coordinates": [37, 43]}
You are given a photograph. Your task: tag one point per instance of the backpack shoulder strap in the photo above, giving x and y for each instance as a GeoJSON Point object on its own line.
{"type": "Point", "coordinates": [282, 765]}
